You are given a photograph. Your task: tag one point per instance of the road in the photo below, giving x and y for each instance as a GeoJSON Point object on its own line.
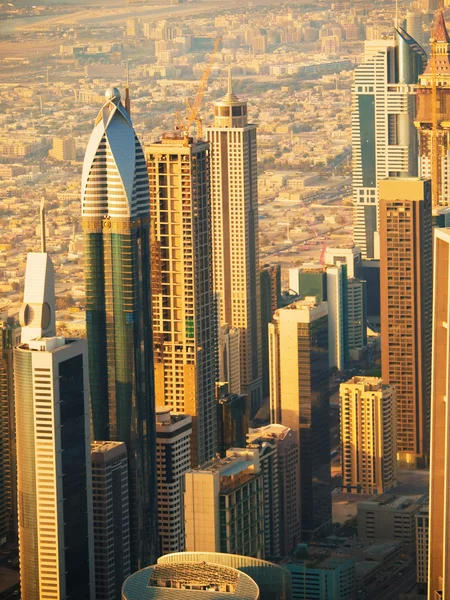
{"type": "Point", "coordinates": [395, 585]}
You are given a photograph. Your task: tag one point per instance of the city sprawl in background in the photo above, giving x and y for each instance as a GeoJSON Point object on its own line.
{"type": "Point", "coordinates": [225, 300]}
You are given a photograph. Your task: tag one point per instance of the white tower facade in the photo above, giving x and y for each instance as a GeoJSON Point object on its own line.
{"type": "Point", "coordinates": [234, 197]}
{"type": "Point", "coordinates": [54, 479]}
{"type": "Point", "coordinates": [384, 139]}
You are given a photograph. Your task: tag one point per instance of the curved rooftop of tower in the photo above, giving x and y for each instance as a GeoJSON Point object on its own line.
{"type": "Point", "coordinates": [189, 581]}
{"type": "Point", "coordinates": [114, 180]}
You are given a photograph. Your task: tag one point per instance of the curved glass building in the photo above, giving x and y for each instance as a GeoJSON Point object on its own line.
{"type": "Point", "coordinates": [190, 580]}
{"type": "Point", "coordinates": [116, 216]}
{"type": "Point", "coordinates": [274, 581]}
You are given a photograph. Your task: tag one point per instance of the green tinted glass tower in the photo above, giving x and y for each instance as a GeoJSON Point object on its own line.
{"type": "Point", "coordinates": [116, 218]}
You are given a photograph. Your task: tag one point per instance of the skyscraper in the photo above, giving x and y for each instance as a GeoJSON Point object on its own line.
{"type": "Point", "coordinates": [299, 399]}
{"type": "Point", "coordinates": [438, 66]}
{"type": "Point", "coordinates": [439, 521]}
{"type": "Point", "coordinates": [406, 304]}
{"type": "Point", "coordinates": [270, 287]}
{"type": "Point", "coordinates": [286, 511]}
{"type": "Point", "coordinates": [173, 459]}
{"type": "Point", "coordinates": [234, 195]}
{"type": "Point", "coordinates": [9, 338]}
{"type": "Point", "coordinates": [116, 225]}
{"type": "Point", "coordinates": [369, 459]}
{"type": "Point", "coordinates": [357, 316]}
{"type": "Point", "coordinates": [184, 324]}
{"type": "Point", "coordinates": [54, 479]}
{"type": "Point", "coordinates": [111, 518]}
{"type": "Point", "coordinates": [383, 137]}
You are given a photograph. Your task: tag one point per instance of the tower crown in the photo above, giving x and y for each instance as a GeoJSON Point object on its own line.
{"type": "Point", "coordinates": [230, 111]}
{"type": "Point", "coordinates": [439, 32]}
{"type": "Point", "coordinates": [114, 182]}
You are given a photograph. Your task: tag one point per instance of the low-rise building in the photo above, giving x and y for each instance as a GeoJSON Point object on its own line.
{"type": "Point", "coordinates": [388, 517]}
{"type": "Point", "coordinates": [319, 577]}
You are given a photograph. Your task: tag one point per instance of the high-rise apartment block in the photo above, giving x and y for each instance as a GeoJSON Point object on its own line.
{"type": "Point", "coordinates": [54, 479]}
{"type": "Point", "coordinates": [299, 399]}
{"type": "Point", "coordinates": [384, 140]}
{"type": "Point", "coordinates": [439, 557]}
{"type": "Point", "coordinates": [184, 325]}
{"type": "Point", "coordinates": [111, 518]}
{"type": "Point", "coordinates": [224, 505]}
{"type": "Point", "coordinates": [173, 459]}
{"type": "Point", "coordinates": [229, 345]}
{"type": "Point", "coordinates": [270, 289]}
{"type": "Point", "coordinates": [116, 227]}
{"type": "Point", "coordinates": [356, 316]}
{"type": "Point", "coordinates": [422, 542]}
{"type": "Point", "coordinates": [9, 338]}
{"type": "Point", "coordinates": [234, 196]}
{"type": "Point", "coordinates": [286, 486]}
{"type": "Point", "coordinates": [406, 304]}
{"type": "Point", "coordinates": [368, 441]}
{"type": "Point", "coordinates": [439, 67]}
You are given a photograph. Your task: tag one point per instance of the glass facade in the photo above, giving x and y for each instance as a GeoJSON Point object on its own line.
{"type": "Point", "coordinates": [74, 483]}
{"type": "Point", "coordinates": [119, 336]}
{"type": "Point", "coordinates": [315, 478]}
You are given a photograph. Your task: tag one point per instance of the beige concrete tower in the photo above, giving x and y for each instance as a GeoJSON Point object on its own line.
{"type": "Point", "coordinates": [439, 540]}
{"type": "Point", "coordinates": [184, 326]}
{"type": "Point", "coordinates": [234, 196]}
{"type": "Point", "coordinates": [369, 461]}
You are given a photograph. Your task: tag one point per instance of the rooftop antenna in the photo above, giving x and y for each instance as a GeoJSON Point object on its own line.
{"type": "Point", "coordinates": [127, 90]}
{"type": "Point", "coordinates": [42, 215]}
{"type": "Point", "coordinates": [396, 14]}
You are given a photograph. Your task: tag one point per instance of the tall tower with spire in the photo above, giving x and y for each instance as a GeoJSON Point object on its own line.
{"type": "Point", "coordinates": [433, 96]}
{"type": "Point", "coordinates": [234, 199]}
{"type": "Point", "coordinates": [116, 221]}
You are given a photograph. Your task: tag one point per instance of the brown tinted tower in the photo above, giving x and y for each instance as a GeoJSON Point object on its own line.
{"type": "Point", "coordinates": [406, 296]}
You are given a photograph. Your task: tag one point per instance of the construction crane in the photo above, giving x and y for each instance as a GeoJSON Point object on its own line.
{"type": "Point", "coordinates": [185, 124]}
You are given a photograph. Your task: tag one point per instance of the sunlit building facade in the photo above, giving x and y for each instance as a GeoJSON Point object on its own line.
{"type": "Point", "coordinates": [54, 479]}
{"type": "Point", "coordinates": [384, 139]}
{"type": "Point", "coordinates": [184, 324]}
{"type": "Point", "coordinates": [368, 440]}
{"type": "Point", "coordinates": [234, 195]}
{"type": "Point", "coordinates": [116, 227]}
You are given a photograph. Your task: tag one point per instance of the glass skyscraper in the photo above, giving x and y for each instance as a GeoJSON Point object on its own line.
{"type": "Point", "coordinates": [116, 217]}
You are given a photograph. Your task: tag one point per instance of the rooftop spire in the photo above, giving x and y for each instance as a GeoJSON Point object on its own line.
{"type": "Point", "coordinates": [127, 91]}
{"type": "Point", "coordinates": [42, 215]}
{"type": "Point", "coordinates": [230, 82]}
{"type": "Point", "coordinates": [439, 32]}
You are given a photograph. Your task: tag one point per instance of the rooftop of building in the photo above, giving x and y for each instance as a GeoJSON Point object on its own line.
{"type": "Point", "coordinates": [97, 446]}
{"type": "Point", "coordinates": [316, 558]}
{"type": "Point", "coordinates": [189, 580]}
{"type": "Point", "coordinates": [372, 384]}
{"type": "Point", "coordinates": [390, 501]}
{"type": "Point", "coordinates": [272, 431]}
